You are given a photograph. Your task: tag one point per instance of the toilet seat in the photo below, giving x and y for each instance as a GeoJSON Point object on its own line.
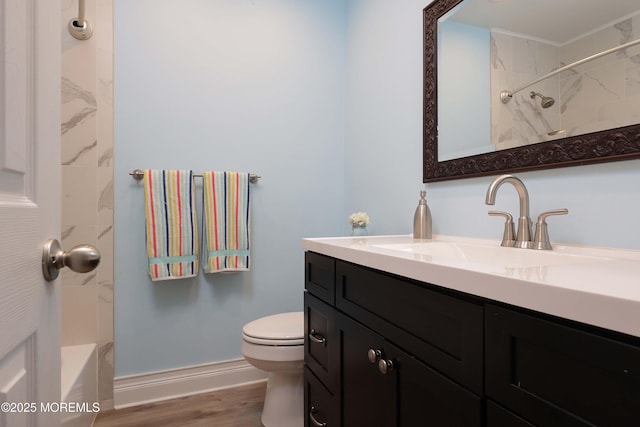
{"type": "Point", "coordinates": [284, 329]}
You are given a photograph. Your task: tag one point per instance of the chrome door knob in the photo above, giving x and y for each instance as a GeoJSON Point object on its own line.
{"type": "Point", "coordinates": [81, 259]}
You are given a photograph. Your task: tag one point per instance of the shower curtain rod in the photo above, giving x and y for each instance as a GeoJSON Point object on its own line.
{"type": "Point", "coordinates": [79, 27]}
{"type": "Point", "coordinates": [505, 95]}
{"type": "Point", "coordinates": [138, 174]}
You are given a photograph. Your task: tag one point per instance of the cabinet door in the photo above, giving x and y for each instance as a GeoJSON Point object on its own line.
{"type": "Point", "coordinates": [366, 393]}
{"type": "Point", "coordinates": [500, 417]}
{"type": "Point", "coordinates": [555, 375]}
{"type": "Point", "coordinates": [426, 398]}
{"type": "Point", "coordinates": [409, 394]}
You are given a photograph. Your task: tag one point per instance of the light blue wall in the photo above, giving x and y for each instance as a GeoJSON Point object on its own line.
{"type": "Point", "coordinates": [235, 85]}
{"type": "Point", "coordinates": [264, 87]}
{"type": "Point", "coordinates": [384, 141]}
{"type": "Point", "coordinates": [383, 151]}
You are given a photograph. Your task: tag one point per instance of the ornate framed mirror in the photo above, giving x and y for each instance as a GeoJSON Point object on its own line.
{"type": "Point", "coordinates": [562, 141]}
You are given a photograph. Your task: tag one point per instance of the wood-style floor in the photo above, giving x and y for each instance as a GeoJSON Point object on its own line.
{"type": "Point", "coordinates": [234, 407]}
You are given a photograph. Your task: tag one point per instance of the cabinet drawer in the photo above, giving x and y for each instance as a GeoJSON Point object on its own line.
{"type": "Point", "coordinates": [321, 341]}
{"type": "Point", "coordinates": [442, 331]}
{"type": "Point", "coordinates": [320, 406]}
{"type": "Point", "coordinates": [320, 276]}
{"type": "Point", "coordinates": [555, 375]}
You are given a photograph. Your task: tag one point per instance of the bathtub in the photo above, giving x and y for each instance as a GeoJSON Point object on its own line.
{"type": "Point", "coordinates": [79, 384]}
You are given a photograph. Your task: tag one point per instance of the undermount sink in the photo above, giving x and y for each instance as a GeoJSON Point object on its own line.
{"type": "Point", "coordinates": [488, 255]}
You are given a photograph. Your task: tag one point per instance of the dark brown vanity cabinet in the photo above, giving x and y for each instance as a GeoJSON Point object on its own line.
{"type": "Point", "coordinates": [375, 365]}
{"type": "Point", "coordinates": [382, 350]}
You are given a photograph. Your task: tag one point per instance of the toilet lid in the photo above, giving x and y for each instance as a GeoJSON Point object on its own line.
{"type": "Point", "coordinates": [278, 329]}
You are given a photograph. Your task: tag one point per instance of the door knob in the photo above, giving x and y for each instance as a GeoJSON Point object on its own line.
{"type": "Point", "coordinates": [81, 259]}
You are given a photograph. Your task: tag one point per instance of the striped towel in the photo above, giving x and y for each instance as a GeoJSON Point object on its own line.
{"type": "Point", "coordinates": [226, 221]}
{"type": "Point", "coordinates": [171, 224]}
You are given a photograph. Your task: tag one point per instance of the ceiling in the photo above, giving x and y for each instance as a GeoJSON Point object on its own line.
{"type": "Point", "coordinates": [556, 21]}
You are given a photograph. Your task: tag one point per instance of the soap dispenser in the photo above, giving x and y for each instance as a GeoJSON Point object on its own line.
{"type": "Point", "coordinates": [422, 219]}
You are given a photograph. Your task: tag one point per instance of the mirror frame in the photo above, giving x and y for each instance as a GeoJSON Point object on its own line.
{"type": "Point", "coordinates": [604, 146]}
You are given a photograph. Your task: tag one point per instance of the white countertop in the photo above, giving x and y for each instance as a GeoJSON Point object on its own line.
{"type": "Point", "coordinates": [597, 286]}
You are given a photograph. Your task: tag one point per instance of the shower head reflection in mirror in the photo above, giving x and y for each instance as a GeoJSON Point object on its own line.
{"type": "Point", "coordinates": [545, 101]}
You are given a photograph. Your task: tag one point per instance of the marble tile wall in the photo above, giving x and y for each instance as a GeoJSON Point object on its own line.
{"type": "Point", "coordinates": [603, 93]}
{"type": "Point", "coordinates": [600, 94]}
{"type": "Point", "coordinates": [516, 61]}
{"type": "Point", "coordinates": [87, 183]}
{"type": "Point", "coordinates": [104, 96]}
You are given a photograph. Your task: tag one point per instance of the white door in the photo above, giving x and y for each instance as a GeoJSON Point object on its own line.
{"type": "Point", "coordinates": [29, 210]}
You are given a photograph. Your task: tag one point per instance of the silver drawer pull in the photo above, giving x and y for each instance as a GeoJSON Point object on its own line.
{"type": "Point", "coordinates": [313, 419]}
{"type": "Point", "coordinates": [313, 336]}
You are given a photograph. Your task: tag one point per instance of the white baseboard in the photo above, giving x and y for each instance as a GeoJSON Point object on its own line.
{"type": "Point", "coordinates": [151, 387]}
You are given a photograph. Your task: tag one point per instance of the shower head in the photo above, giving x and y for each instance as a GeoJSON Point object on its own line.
{"type": "Point", "coordinates": [545, 101]}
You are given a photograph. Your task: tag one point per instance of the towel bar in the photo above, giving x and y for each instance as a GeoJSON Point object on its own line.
{"type": "Point", "coordinates": [138, 174]}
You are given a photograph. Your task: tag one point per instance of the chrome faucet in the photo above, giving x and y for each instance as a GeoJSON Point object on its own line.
{"type": "Point", "coordinates": [523, 235]}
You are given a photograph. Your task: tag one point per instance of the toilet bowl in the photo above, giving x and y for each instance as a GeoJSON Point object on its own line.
{"type": "Point", "coordinates": [275, 344]}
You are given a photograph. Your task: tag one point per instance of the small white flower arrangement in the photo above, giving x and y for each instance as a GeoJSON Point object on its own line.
{"type": "Point", "coordinates": [359, 219]}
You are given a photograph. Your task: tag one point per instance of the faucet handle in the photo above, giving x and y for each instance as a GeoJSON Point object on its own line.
{"type": "Point", "coordinates": [541, 237]}
{"type": "Point", "coordinates": [508, 237]}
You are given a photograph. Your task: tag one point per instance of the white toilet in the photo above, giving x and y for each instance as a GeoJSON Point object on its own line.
{"type": "Point", "coordinates": [275, 344]}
